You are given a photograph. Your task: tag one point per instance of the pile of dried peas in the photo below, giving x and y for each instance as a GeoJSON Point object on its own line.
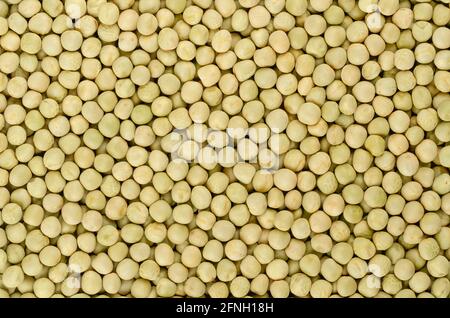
{"type": "Point", "coordinates": [224, 148]}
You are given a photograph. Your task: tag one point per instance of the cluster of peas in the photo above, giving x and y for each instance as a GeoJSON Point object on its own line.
{"type": "Point", "coordinates": [349, 97]}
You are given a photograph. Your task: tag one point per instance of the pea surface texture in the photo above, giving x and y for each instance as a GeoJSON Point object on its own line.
{"type": "Point", "coordinates": [225, 148]}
